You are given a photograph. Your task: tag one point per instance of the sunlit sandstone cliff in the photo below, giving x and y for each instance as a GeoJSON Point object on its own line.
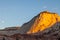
{"type": "Point", "coordinates": [44, 20]}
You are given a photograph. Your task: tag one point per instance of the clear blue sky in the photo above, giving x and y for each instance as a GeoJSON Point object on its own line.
{"type": "Point", "coordinates": [17, 12]}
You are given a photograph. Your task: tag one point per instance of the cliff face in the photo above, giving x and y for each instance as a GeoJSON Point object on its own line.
{"type": "Point", "coordinates": [43, 21]}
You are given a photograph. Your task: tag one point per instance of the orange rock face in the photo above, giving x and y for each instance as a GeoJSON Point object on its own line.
{"type": "Point", "coordinates": [44, 21]}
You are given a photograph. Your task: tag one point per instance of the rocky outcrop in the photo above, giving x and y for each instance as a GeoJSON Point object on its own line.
{"type": "Point", "coordinates": [45, 20]}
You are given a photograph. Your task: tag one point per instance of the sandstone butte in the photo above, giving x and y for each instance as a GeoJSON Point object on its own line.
{"type": "Point", "coordinates": [44, 20]}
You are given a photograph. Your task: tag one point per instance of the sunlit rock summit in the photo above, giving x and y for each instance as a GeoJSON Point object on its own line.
{"type": "Point", "coordinates": [40, 22]}
{"type": "Point", "coordinates": [43, 21]}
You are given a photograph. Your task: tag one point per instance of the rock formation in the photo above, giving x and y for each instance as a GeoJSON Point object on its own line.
{"type": "Point", "coordinates": [43, 21]}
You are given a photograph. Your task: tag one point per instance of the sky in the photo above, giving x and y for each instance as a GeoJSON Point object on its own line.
{"type": "Point", "coordinates": [18, 12]}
